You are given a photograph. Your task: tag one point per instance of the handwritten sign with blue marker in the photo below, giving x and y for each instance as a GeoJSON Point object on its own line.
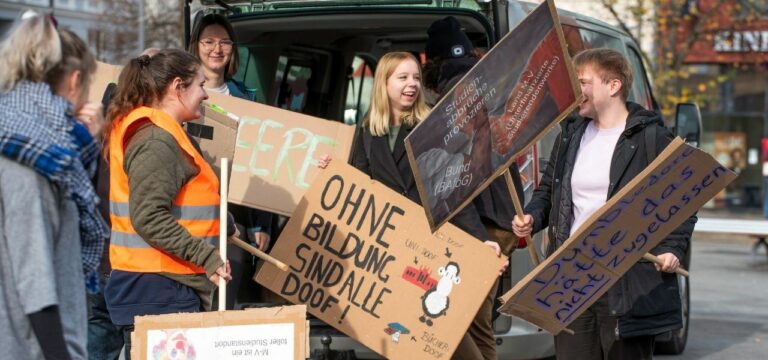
{"type": "Point", "coordinates": [670, 190]}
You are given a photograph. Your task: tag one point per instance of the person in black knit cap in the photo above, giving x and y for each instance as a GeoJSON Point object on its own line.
{"type": "Point", "coordinates": [450, 55]}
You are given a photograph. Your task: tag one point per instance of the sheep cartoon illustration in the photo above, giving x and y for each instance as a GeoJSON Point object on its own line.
{"type": "Point", "coordinates": [435, 301]}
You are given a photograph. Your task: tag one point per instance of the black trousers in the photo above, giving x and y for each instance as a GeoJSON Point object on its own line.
{"type": "Point", "coordinates": [595, 338]}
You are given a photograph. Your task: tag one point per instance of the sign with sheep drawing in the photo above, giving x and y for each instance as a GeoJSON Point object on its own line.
{"type": "Point", "coordinates": [364, 260]}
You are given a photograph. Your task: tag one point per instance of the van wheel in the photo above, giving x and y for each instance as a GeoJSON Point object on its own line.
{"type": "Point", "coordinates": [678, 338]}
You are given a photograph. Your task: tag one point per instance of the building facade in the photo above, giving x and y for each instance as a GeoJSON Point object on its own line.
{"type": "Point", "coordinates": [728, 74]}
{"type": "Point", "coordinates": [112, 29]}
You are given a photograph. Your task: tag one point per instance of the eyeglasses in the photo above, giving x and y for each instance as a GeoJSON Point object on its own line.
{"type": "Point", "coordinates": [210, 44]}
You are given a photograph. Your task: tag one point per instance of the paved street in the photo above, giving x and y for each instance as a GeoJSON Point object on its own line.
{"type": "Point", "coordinates": [729, 300]}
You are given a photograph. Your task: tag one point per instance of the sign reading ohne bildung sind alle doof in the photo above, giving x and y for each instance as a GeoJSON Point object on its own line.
{"type": "Point", "coordinates": [363, 259]}
{"type": "Point", "coordinates": [523, 87]}
{"type": "Point", "coordinates": [655, 203]}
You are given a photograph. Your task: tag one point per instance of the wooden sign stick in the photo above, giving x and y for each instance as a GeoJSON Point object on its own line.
{"type": "Point", "coordinates": [258, 253]}
{"type": "Point", "coordinates": [519, 211]}
{"type": "Point", "coordinates": [223, 232]}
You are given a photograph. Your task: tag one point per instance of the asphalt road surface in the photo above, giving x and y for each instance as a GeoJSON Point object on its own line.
{"type": "Point", "coordinates": [729, 300]}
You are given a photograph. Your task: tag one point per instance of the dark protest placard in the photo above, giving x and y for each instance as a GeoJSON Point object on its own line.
{"type": "Point", "coordinates": [363, 259]}
{"type": "Point", "coordinates": [658, 200]}
{"type": "Point", "coordinates": [523, 87]}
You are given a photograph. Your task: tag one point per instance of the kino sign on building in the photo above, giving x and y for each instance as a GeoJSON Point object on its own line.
{"type": "Point", "coordinates": [741, 41]}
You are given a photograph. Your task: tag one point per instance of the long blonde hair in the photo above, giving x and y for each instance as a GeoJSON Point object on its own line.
{"type": "Point", "coordinates": [31, 49]}
{"type": "Point", "coordinates": [379, 116]}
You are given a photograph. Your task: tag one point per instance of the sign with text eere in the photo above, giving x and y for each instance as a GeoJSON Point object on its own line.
{"type": "Point", "coordinates": [522, 88]}
{"type": "Point", "coordinates": [658, 200]}
{"type": "Point", "coordinates": [276, 153]}
{"type": "Point", "coordinates": [364, 260]}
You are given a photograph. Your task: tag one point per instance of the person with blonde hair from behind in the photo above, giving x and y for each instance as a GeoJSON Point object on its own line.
{"type": "Point", "coordinates": [379, 151]}
{"type": "Point", "coordinates": [51, 233]}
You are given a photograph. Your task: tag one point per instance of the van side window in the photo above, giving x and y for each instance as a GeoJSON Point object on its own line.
{"type": "Point", "coordinates": [641, 93]}
{"type": "Point", "coordinates": [291, 85]}
{"type": "Point", "coordinates": [249, 73]}
{"type": "Point", "coordinates": [359, 91]}
{"type": "Point", "coordinates": [593, 39]}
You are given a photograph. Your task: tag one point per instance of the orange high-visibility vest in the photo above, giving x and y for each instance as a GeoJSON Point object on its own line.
{"type": "Point", "coordinates": [196, 207]}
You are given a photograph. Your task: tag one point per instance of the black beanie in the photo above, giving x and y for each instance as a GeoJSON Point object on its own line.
{"type": "Point", "coordinates": [447, 40]}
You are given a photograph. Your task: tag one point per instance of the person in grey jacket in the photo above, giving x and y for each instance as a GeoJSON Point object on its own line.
{"type": "Point", "coordinates": [51, 234]}
{"type": "Point", "coordinates": [599, 152]}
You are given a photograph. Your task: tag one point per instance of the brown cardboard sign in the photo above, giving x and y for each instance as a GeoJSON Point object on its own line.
{"type": "Point", "coordinates": [363, 259]}
{"type": "Point", "coordinates": [216, 133]}
{"type": "Point", "coordinates": [104, 75]}
{"type": "Point", "coordinates": [276, 153]}
{"type": "Point", "coordinates": [658, 200]}
{"type": "Point", "coordinates": [265, 333]}
{"type": "Point", "coordinates": [522, 88]}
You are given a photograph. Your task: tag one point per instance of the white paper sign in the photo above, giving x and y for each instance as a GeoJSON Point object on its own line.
{"type": "Point", "coordinates": [268, 341]}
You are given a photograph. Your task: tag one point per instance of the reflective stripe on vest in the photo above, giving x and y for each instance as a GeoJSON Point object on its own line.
{"type": "Point", "coordinates": [195, 208]}
{"type": "Point", "coordinates": [190, 212]}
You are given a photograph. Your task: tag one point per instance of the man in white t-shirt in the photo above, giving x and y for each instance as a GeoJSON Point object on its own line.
{"type": "Point", "coordinates": [598, 153]}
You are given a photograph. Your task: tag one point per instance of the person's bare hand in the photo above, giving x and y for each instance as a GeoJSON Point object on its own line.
{"type": "Point", "coordinates": [671, 263]}
{"type": "Point", "coordinates": [324, 161]}
{"type": "Point", "coordinates": [222, 273]}
{"type": "Point", "coordinates": [495, 246]}
{"type": "Point", "coordinates": [523, 226]}
{"type": "Point", "coordinates": [91, 115]}
{"type": "Point", "coordinates": [262, 240]}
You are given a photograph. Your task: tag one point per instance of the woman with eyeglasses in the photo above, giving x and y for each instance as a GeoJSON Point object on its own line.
{"type": "Point", "coordinates": [213, 42]}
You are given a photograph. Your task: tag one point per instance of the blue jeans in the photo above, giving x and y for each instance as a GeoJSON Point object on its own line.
{"type": "Point", "coordinates": [105, 340]}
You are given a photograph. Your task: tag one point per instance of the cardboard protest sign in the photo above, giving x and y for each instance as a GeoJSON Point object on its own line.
{"type": "Point", "coordinates": [266, 333]}
{"type": "Point", "coordinates": [104, 75]}
{"type": "Point", "coordinates": [364, 260]}
{"type": "Point", "coordinates": [658, 200]}
{"type": "Point", "coordinates": [524, 86]}
{"type": "Point", "coordinates": [216, 133]}
{"type": "Point", "coordinates": [276, 153]}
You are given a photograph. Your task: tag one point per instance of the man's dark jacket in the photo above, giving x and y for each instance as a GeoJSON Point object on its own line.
{"type": "Point", "coordinates": [647, 301]}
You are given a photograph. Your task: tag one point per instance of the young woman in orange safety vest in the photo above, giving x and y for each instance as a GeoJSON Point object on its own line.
{"type": "Point", "coordinates": [163, 197]}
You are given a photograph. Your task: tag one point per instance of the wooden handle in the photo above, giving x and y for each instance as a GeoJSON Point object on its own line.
{"type": "Point", "coordinates": [223, 217]}
{"type": "Point", "coordinates": [656, 260]}
{"type": "Point", "coordinates": [258, 253]}
{"type": "Point", "coordinates": [519, 211]}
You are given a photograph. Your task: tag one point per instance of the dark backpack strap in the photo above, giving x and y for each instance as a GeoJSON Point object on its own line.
{"type": "Point", "coordinates": [650, 142]}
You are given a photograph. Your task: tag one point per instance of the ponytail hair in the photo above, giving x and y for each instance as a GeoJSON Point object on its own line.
{"type": "Point", "coordinates": [145, 80]}
{"type": "Point", "coordinates": [74, 56]}
{"type": "Point", "coordinates": [31, 49]}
